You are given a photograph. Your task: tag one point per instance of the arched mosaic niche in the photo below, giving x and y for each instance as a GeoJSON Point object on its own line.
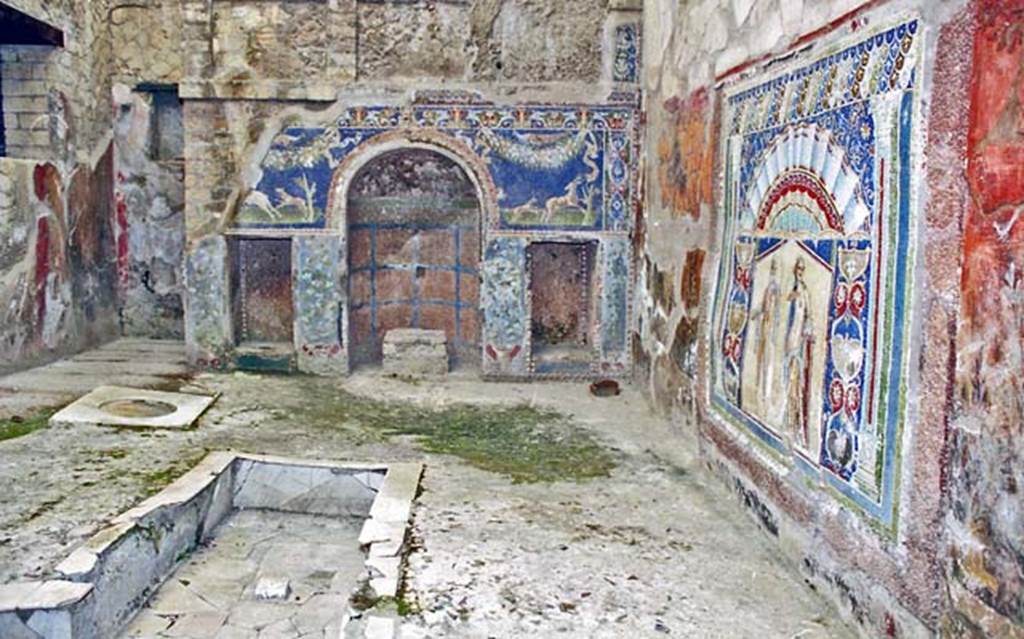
{"type": "Point", "coordinates": [809, 337]}
{"type": "Point", "coordinates": [414, 225]}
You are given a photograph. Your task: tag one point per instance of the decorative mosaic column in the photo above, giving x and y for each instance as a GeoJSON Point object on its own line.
{"type": "Point", "coordinates": [615, 288]}
{"type": "Point", "coordinates": [319, 305]}
{"type": "Point", "coordinates": [208, 336]}
{"type": "Point", "coordinates": [503, 299]}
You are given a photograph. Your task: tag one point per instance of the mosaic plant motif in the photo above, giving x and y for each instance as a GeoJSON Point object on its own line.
{"type": "Point", "coordinates": [809, 339]}
{"type": "Point", "coordinates": [554, 167]}
{"type": "Point", "coordinates": [627, 53]}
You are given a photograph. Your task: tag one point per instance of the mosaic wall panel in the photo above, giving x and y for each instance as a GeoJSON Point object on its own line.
{"type": "Point", "coordinates": [208, 314]}
{"type": "Point", "coordinates": [626, 65]}
{"type": "Point", "coordinates": [809, 339]}
{"type": "Point", "coordinates": [555, 168]}
{"type": "Point", "coordinates": [615, 295]}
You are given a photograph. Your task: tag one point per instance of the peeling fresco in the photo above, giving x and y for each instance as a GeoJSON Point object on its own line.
{"type": "Point", "coordinates": [809, 337]}
{"type": "Point", "coordinates": [987, 448]}
{"type": "Point", "coordinates": [57, 276]}
{"type": "Point", "coordinates": [686, 155]}
{"type": "Point", "coordinates": [150, 200]}
{"type": "Point", "coordinates": [684, 343]}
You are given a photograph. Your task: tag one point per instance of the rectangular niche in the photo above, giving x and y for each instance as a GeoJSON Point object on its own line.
{"type": "Point", "coordinates": [562, 314]}
{"type": "Point", "coordinates": [261, 285]}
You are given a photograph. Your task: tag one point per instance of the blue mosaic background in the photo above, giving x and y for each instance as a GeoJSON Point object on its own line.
{"type": "Point", "coordinates": [555, 168]}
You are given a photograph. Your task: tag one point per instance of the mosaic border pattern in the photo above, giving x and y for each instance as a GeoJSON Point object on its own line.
{"type": "Point", "coordinates": [556, 169]}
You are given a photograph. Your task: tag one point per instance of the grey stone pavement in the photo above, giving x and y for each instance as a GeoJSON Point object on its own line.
{"type": "Point", "coordinates": [657, 549]}
{"type": "Point", "coordinates": [265, 574]}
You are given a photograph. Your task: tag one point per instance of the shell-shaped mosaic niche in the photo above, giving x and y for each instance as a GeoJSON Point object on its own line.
{"type": "Point", "coordinates": [810, 151]}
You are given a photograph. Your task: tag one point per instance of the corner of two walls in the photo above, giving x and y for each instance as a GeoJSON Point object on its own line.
{"type": "Point", "coordinates": [57, 228]}
{"type": "Point", "coordinates": [945, 561]}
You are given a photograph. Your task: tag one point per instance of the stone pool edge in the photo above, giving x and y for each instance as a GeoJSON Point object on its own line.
{"type": "Point", "coordinates": [105, 581]}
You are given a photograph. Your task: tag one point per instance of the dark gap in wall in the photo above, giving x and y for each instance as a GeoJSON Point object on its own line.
{"type": "Point", "coordinates": [20, 28]}
{"type": "Point", "coordinates": [167, 127]}
{"type": "Point", "coordinates": [562, 300]}
{"type": "Point", "coordinates": [3, 125]}
{"type": "Point", "coordinates": [261, 285]}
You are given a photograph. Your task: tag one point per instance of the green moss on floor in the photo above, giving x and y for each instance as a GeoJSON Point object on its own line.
{"type": "Point", "coordinates": [153, 481]}
{"type": "Point", "coordinates": [12, 427]}
{"type": "Point", "coordinates": [523, 442]}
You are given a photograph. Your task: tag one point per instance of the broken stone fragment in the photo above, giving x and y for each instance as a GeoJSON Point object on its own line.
{"type": "Point", "coordinates": [272, 589]}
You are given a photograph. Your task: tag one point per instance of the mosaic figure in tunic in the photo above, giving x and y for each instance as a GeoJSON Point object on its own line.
{"type": "Point", "coordinates": [797, 356]}
{"type": "Point", "coordinates": [767, 321]}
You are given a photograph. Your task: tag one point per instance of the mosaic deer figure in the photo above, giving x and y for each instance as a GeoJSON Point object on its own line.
{"type": "Point", "coordinates": [569, 198]}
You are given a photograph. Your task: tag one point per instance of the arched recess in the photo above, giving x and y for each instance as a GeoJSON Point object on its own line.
{"type": "Point", "coordinates": [411, 207]}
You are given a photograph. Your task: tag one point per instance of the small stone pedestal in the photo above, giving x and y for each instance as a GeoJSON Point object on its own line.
{"type": "Point", "coordinates": [415, 352]}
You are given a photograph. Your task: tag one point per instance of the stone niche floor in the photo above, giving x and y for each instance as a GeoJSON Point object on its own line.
{"type": "Point", "coordinates": [658, 549]}
{"type": "Point", "coordinates": [216, 593]}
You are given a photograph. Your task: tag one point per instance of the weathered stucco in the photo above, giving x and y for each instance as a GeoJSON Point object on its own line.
{"type": "Point", "coordinates": [986, 457]}
{"type": "Point", "coordinates": [57, 271]}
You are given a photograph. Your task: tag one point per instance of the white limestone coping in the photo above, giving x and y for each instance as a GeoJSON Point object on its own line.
{"type": "Point", "coordinates": [109, 577]}
{"type": "Point", "coordinates": [38, 595]}
{"type": "Point", "coordinates": [89, 409]}
{"type": "Point", "coordinates": [408, 336]}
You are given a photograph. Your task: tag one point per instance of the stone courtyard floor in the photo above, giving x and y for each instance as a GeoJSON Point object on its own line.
{"type": "Point", "coordinates": [596, 524]}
